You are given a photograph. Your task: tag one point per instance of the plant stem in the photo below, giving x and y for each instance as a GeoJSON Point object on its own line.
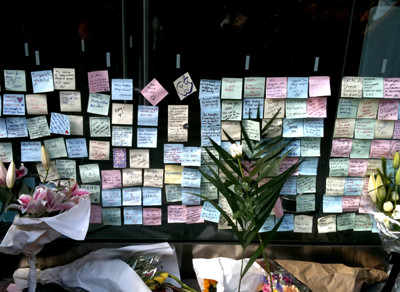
{"type": "Point", "coordinates": [181, 283]}
{"type": "Point", "coordinates": [266, 261]}
{"type": "Point", "coordinates": [241, 269]}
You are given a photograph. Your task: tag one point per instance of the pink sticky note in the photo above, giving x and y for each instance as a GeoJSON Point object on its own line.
{"type": "Point", "coordinates": [341, 147]}
{"type": "Point", "coordinates": [358, 167]}
{"type": "Point", "coordinates": [154, 92]}
{"type": "Point", "coordinates": [316, 107]}
{"type": "Point", "coordinates": [388, 109]}
{"type": "Point", "coordinates": [176, 214]}
{"type": "Point", "coordinates": [319, 86]}
{"type": "Point", "coordinates": [193, 214]}
{"type": "Point", "coordinates": [396, 131]}
{"type": "Point", "coordinates": [276, 87]}
{"type": "Point", "coordinates": [394, 147]}
{"type": "Point", "coordinates": [391, 88]}
{"type": "Point", "coordinates": [350, 203]}
{"type": "Point", "coordinates": [111, 179]}
{"type": "Point", "coordinates": [379, 148]}
{"type": "Point", "coordinates": [287, 163]}
{"type": "Point", "coordinates": [95, 214]}
{"type": "Point", "coordinates": [98, 81]}
{"type": "Point", "coordinates": [151, 216]}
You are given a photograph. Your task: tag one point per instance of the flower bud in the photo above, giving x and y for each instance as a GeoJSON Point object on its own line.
{"type": "Point", "coordinates": [372, 187]}
{"type": "Point", "coordinates": [10, 179]}
{"type": "Point", "coordinates": [388, 206]}
{"type": "Point", "coordinates": [236, 151]}
{"type": "Point", "coordinates": [396, 160]}
{"type": "Point", "coordinates": [381, 190]}
{"type": "Point", "coordinates": [3, 174]}
{"type": "Point", "coordinates": [394, 196]}
{"type": "Point", "coordinates": [397, 178]}
{"type": "Point", "coordinates": [45, 158]}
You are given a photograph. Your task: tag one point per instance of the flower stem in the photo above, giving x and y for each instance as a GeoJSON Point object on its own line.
{"type": "Point", "coordinates": [241, 269]}
{"type": "Point", "coordinates": [182, 284]}
{"type": "Point", "coordinates": [265, 261]}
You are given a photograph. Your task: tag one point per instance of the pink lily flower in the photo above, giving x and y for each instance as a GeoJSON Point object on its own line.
{"type": "Point", "coordinates": [74, 193]}
{"type": "Point", "coordinates": [55, 201]}
{"type": "Point", "coordinates": [28, 205]}
{"type": "Point", "coordinates": [3, 174]}
{"type": "Point", "coordinates": [21, 172]}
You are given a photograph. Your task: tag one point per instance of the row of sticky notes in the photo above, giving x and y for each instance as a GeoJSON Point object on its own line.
{"type": "Point", "coordinates": [346, 186]}
{"type": "Point", "coordinates": [355, 148]}
{"type": "Point", "coordinates": [370, 87]}
{"type": "Point", "coordinates": [291, 222]}
{"type": "Point", "coordinates": [366, 129]}
{"type": "Point", "coordinates": [384, 109]}
{"type": "Point", "coordinates": [347, 221]}
{"type": "Point", "coordinates": [353, 167]}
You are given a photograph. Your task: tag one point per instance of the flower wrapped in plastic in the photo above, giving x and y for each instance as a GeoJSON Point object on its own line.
{"type": "Point", "coordinates": [51, 211]}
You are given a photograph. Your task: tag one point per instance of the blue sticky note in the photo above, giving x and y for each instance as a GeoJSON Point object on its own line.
{"type": "Point", "coordinates": [189, 196]}
{"type": "Point", "coordinates": [151, 196]}
{"type": "Point", "coordinates": [133, 215]}
{"type": "Point", "coordinates": [30, 182]}
{"type": "Point", "coordinates": [210, 127]}
{"type": "Point", "coordinates": [191, 178]}
{"type": "Point", "coordinates": [14, 104]}
{"type": "Point", "coordinates": [209, 87]}
{"type": "Point", "coordinates": [292, 128]}
{"type": "Point", "coordinates": [210, 213]}
{"type": "Point", "coordinates": [253, 108]}
{"type": "Point", "coordinates": [309, 166]}
{"type": "Point", "coordinates": [147, 137]}
{"type": "Point", "coordinates": [210, 103]}
{"type": "Point", "coordinates": [122, 89]}
{"type": "Point", "coordinates": [353, 186]}
{"type": "Point", "coordinates": [313, 128]}
{"type": "Point", "coordinates": [347, 108]}
{"type": "Point", "coordinates": [287, 223]}
{"type": "Point", "coordinates": [111, 197]}
{"type": "Point", "coordinates": [147, 115]}
{"type": "Point", "coordinates": [294, 147]}
{"type": "Point", "coordinates": [289, 187]}
{"type": "Point", "coordinates": [297, 87]}
{"type": "Point", "coordinates": [16, 127]}
{"type": "Point", "coordinates": [269, 224]}
{"type": "Point", "coordinates": [59, 124]}
{"type": "Point", "coordinates": [76, 148]}
{"type": "Point", "coordinates": [389, 167]}
{"type": "Point", "coordinates": [332, 204]}
{"type": "Point", "coordinates": [31, 151]}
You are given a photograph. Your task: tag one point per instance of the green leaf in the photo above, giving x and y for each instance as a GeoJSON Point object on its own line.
{"type": "Point", "coordinates": [246, 138]}
{"type": "Point", "coordinates": [4, 195]}
{"type": "Point", "coordinates": [227, 159]}
{"type": "Point", "coordinates": [267, 125]}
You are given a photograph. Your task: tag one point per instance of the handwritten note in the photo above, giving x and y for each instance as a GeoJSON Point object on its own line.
{"type": "Point", "coordinates": [122, 114]}
{"type": "Point", "coordinates": [338, 167]}
{"type": "Point", "coordinates": [388, 109]}
{"type": "Point", "coordinates": [99, 150]}
{"type": "Point", "coordinates": [55, 148]}
{"type": "Point", "coordinates": [131, 177]}
{"type": "Point", "coordinates": [184, 86]}
{"type": "Point", "coordinates": [173, 153]}
{"type": "Point", "coordinates": [303, 224]}
{"type": "Point", "coordinates": [66, 168]}
{"type": "Point", "coordinates": [210, 127]}
{"type": "Point", "coordinates": [296, 108]}
{"type": "Point", "coordinates": [191, 178]}
{"type": "Point", "coordinates": [173, 174]}
{"type": "Point", "coordinates": [70, 101]}
{"type": "Point", "coordinates": [31, 151]}
{"type": "Point", "coordinates": [132, 196]}
{"type": "Point", "coordinates": [95, 214]}
{"type": "Point", "coordinates": [384, 129]}
{"type": "Point", "coordinates": [151, 196]}
{"type": "Point", "coordinates": [99, 126]}
{"type": "Point", "coordinates": [38, 127]}
{"type": "Point", "coordinates": [98, 103]}
{"type": "Point", "coordinates": [380, 148]}
{"type": "Point", "coordinates": [233, 129]}
{"type": "Point", "coordinates": [119, 157]}
{"type": "Point", "coordinates": [350, 203]}
{"type": "Point", "coordinates": [59, 124]}
{"type": "Point", "coordinates": [341, 147]}
{"type": "Point", "coordinates": [13, 104]}
{"type": "Point", "coordinates": [268, 224]}
{"type": "Point", "coordinates": [358, 167]}
{"type": "Point", "coordinates": [292, 128]}
{"type": "Point", "coordinates": [305, 203]}
{"type": "Point", "coordinates": [272, 106]}
{"type": "Point", "coordinates": [360, 148]}
{"type": "Point", "coordinates": [363, 222]}
{"type": "Point", "coordinates": [287, 223]}
{"type": "Point", "coordinates": [364, 129]}
{"type": "Point", "coordinates": [327, 224]}
{"type": "Point", "coordinates": [310, 147]}
{"type": "Point", "coordinates": [98, 81]}
{"type": "Point", "coordinates": [190, 196]}
{"type": "Point", "coordinates": [210, 102]}
{"type": "Point", "coordinates": [139, 158]}
{"type": "Point", "coordinates": [352, 87]}
{"type": "Point", "coordinates": [373, 87]}
{"type": "Point", "coordinates": [297, 87]}
{"type": "Point", "coordinates": [193, 214]}
{"type": "Point", "coordinates": [154, 92]}
{"type": "Point", "coordinates": [6, 153]}
{"type": "Point", "coordinates": [210, 213]}
{"type": "Point", "coordinates": [276, 87]}
{"type": "Point", "coordinates": [36, 104]}
{"type": "Point", "coordinates": [313, 127]}
{"type": "Point", "coordinates": [153, 177]}
{"type": "Point", "coordinates": [191, 156]}
{"type": "Point", "coordinates": [173, 193]}
{"type": "Point", "coordinates": [252, 129]}
{"type": "Point", "coordinates": [332, 204]}
{"type": "Point", "coordinates": [353, 186]}
{"type": "Point", "coordinates": [47, 175]}
{"type": "Point", "coordinates": [346, 221]}
{"type": "Point", "coordinates": [15, 80]}
{"type": "Point", "coordinates": [231, 110]}
{"type": "Point", "coordinates": [147, 115]}
{"type": "Point", "coordinates": [391, 88]}
{"type": "Point", "coordinates": [253, 108]}
{"type": "Point", "coordinates": [208, 190]}
{"type": "Point", "coordinates": [122, 136]}
{"type": "Point", "coordinates": [152, 216]}
{"type": "Point", "coordinates": [76, 125]}
{"type": "Point", "coordinates": [176, 214]}
{"type": "Point", "coordinates": [64, 78]}
{"type": "Point", "coordinates": [254, 87]}
{"type": "Point", "coordinates": [111, 179]}
{"type": "Point", "coordinates": [147, 137]}
{"type": "Point", "coordinates": [76, 148]}
{"type": "Point", "coordinates": [306, 184]}
{"type": "Point", "coordinates": [316, 107]}
{"type": "Point", "coordinates": [111, 197]}
{"type": "Point", "coordinates": [308, 166]}
{"type": "Point", "coordinates": [274, 129]}
{"type": "Point", "coordinates": [42, 81]}
{"type": "Point", "coordinates": [347, 108]}
{"type": "Point", "coordinates": [122, 89]}
{"type": "Point", "coordinates": [3, 128]}
{"type": "Point", "coordinates": [209, 87]}
{"type": "Point", "coordinates": [111, 216]}
{"type": "Point", "coordinates": [290, 186]}
{"type": "Point", "coordinates": [335, 185]}
{"type": "Point", "coordinates": [178, 118]}
{"type": "Point", "coordinates": [367, 109]}
{"type": "Point", "coordinates": [94, 192]}
{"type": "Point", "coordinates": [133, 216]}
{"type": "Point", "coordinates": [231, 88]}
{"type": "Point", "coordinates": [319, 86]}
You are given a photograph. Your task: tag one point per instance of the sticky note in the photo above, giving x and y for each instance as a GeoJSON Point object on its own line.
{"type": "Point", "coordinates": [357, 167]}
{"type": "Point", "coordinates": [153, 177]}
{"type": "Point", "coordinates": [191, 156]}
{"type": "Point", "coordinates": [338, 166]}
{"type": "Point", "coordinates": [210, 127]}
{"type": "Point", "coordinates": [111, 179]}
{"type": "Point", "coordinates": [292, 128]}
{"type": "Point", "coordinates": [310, 147]}
{"type": "Point", "coordinates": [364, 129]}
{"type": "Point", "coordinates": [332, 204]}
{"type": "Point", "coordinates": [210, 213]}
{"type": "Point", "coordinates": [353, 186]}
{"type": "Point", "coordinates": [231, 110]}
{"type": "Point", "coordinates": [373, 87]}
{"type": "Point", "coordinates": [254, 87]}
{"type": "Point", "coordinates": [95, 214]}
{"type": "Point", "coordinates": [42, 81]}
{"type": "Point", "coordinates": [173, 174]}
{"type": "Point", "coordinates": [344, 128]}
{"type": "Point", "coordinates": [209, 87]}
{"type": "Point", "coordinates": [173, 153]}
{"type": "Point", "coordinates": [274, 129]}
{"type": "Point", "coordinates": [287, 223]}
{"type": "Point", "coordinates": [293, 148]}
{"type": "Point", "coordinates": [297, 87]}
{"type": "Point", "coordinates": [111, 197]}
{"type": "Point", "coordinates": [350, 203]}
{"type": "Point", "coordinates": [76, 148]}
{"type": "Point", "coordinates": [347, 108]}
{"type": "Point", "coordinates": [363, 222]}
{"type": "Point", "coordinates": [341, 147]}
{"type": "Point", "coordinates": [193, 214]}
{"type": "Point", "coordinates": [147, 115]}
{"type": "Point", "coordinates": [99, 150]}
{"type": "Point", "coordinates": [306, 184]}
{"type": "Point", "coordinates": [189, 196]}
{"type": "Point", "coordinates": [388, 109]}
{"type": "Point", "coordinates": [252, 128]}
{"type": "Point", "coordinates": [94, 192]}
{"type": "Point", "coordinates": [290, 186]}
{"type": "Point", "coordinates": [305, 203]}
{"type": "Point", "coordinates": [154, 92]}
{"type": "Point", "coordinates": [55, 147]}
{"type": "Point", "coordinates": [36, 104]}
{"type": "Point", "coordinates": [147, 137]}
{"type": "Point", "coordinates": [287, 163]}
{"type": "Point", "coordinates": [303, 224]}
{"type": "Point", "coordinates": [367, 108]}
{"type": "Point", "coordinates": [276, 87]}
{"type": "Point", "coordinates": [122, 136]}
{"type": "Point", "coordinates": [98, 103]}
{"type": "Point", "coordinates": [178, 117]}
{"type": "Point", "coordinates": [3, 128]}
{"type": "Point", "coordinates": [111, 216]}
{"type": "Point", "coordinates": [296, 108]}
{"type": "Point", "coordinates": [231, 88]}
{"type": "Point", "coordinates": [13, 104]}
{"type": "Point", "coordinates": [122, 89]}
{"type": "Point", "coordinates": [122, 114]}
{"type": "Point", "coordinates": [76, 125]}
{"type": "Point", "coordinates": [233, 129]}
{"type": "Point", "coordinates": [352, 87]}
{"type": "Point", "coordinates": [131, 177]}
{"type": "Point", "coordinates": [6, 153]}
{"type": "Point", "coordinates": [380, 148]}
{"type": "Point", "coordinates": [152, 216]}
{"type": "Point", "coordinates": [384, 129]}
{"type": "Point", "coordinates": [327, 224]}
{"type": "Point", "coordinates": [31, 151]}
{"type": "Point", "coordinates": [132, 196]}
{"type": "Point", "coordinates": [15, 80]}
{"type": "Point", "coordinates": [208, 190]}
{"type": "Point", "coordinates": [272, 106]}
{"type": "Point", "coordinates": [151, 196]}
{"type": "Point", "coordinates": [66, 168]}
{"type": "Point", "coordinates": [191, 177]}
{"type": "Point", "coordinates": [319, 86]}
{"type": "Point", "coordinates": [391, 88]}
{"type": "Point", "coordinates": [70, 101]}
{"type": "Point", "coordinates": [209, 103]}
{"type": "Point", "coordinates": [316, 107]}
{"type": "Point", "coordinates": [98, 81]}
{"type": "Point", "coordinates": [346, 221]}
{"type": "Point", "coordinates": [38, 127]}
{"type": "Point", "coordinates": [268, 225]}
{"type": "Point", "coordinates": [59, 124]}
{"type": "Point", "coordinates": [308, 166]}
{"type": "Point", "coordinates": [133, 216]}
{"type": "Point", "coordinates": [394, 147]}
{"type": "Point", "coordinates": [119, 157]}
{"type": "Point", "coordinates": [139, 158]}
{"type": "Point", "coordinates": [99, 126]}
{"type": "Point", "coordinates": [47, 175]}
{"type": "Point", "coordinates": [253, 108]}
{"type": "Point", "coordinates": [360, 148]}
{"type": "Point", "coordinates": [176, 214]}
{"type": "Point", "coordinates": [64, 78]}
{"type": "Point", "coordinates": [173, 193]}
{"type": "Point", "coordinates": [184, 86]}
{"type": "Point", "coordinates": [313, 127]}
{"type": "Point", "coordinates": [335, 185]}
{"type": "Point", "coordinates": [205, 157]}
{"type": "Point", "coordinates": [373, 165]}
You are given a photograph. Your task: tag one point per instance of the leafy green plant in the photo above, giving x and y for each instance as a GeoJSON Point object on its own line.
{"type": "Point", "coordinates": [250, 200]}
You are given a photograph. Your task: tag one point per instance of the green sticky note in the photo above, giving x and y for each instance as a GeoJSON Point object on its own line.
{"type": "Point", "coordinates": [346, 221]}
{"type": "Point", "coordinates": [360, 148]}
{"type": "Point", "coordinates": [364, 129]}
{"type": "Point", "coordinates": [305, 203]}
{"type": "Point", "coordinates": [338, 167]}
{"type": "Point", "coordinates": [347, 108]}
{"type": "Point", "coordinates": [310, 147]}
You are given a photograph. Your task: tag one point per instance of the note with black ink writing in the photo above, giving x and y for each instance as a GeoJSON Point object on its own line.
{"type": "Point", "coordinates": [154, 92]}
{"type": "Point", "coordinates": [111, 216]}
{"type": "Point", "coordinates": [147, 115]}
{"type": "Point", "coordinates": [122, 89]}
{"type": "Point", "coordinates": [38, 127]}
{"type": "Point", "coordinates": [210, 213]}
{"type": "Point", "coordinates": [15, 80]}
{"type": "Point", "coordinates": [131, 177]}
{"type": "Point", "coordinates": [139, 158]}
{"type": "Point", "coordinates": [42, 81]}
{"type": "Point", "coordinates": [99, 126]}
{"type": "Point", "coordinates": [178, 118]}
{"type": "Point", "coordinates": [13, 104]}
{"type": "Point", "coordinates": [98, 103]}
{"type": "Point", "coordinates": [16, 127]}
{"type": "Point", "coordinates": [352, 87]}
{"type": "Point", "coordinates": [122, 114]}
{"type": "Point", "coordinates": [122, 136]}
{"type": "Point", "coordinates": [31, 151]}
{"type": "Point", "coordinates": [98, 81]}
{"type": "Point", "coordinates": [64, 78]}
{"type": "Point", "coordinates": [303, 224]}
{"type": "Point", "coordinates": [89, 173]}
{"type": "Point", "coordinates": [297, 87]}
{"type": "Point", "coordinates": [76, 148]}
{"type": "Point", "coordinates": [153, 177]}
{"type": "Point", "coordinates": [66, 168]}
{"type": "Point", "coordinates": [173, 193]}
{"type": "Point", "coordinates": [70, 101]}
{"type": "Point", "coordinates": [6, 153]}
{"type": "Point", "coordinates": [55, 147]}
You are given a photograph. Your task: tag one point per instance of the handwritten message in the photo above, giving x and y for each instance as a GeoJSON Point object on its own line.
{"type": "Point", "coordinates": [30, 151]}
{"type": "Point", "coordinates": [133, 216]}
{"type": "Point", "coordinates": [89, 173]}
{"type": "Point", "coordinates": [119, 157]}
{"type": "Point", "coordinates": [132, 196]}
{"type": "Point", "coordinates": [147, 137]}
{"type": "Point", "coordinates": [99, 150]}
{"type": "Point", "coordinates": [254, 87]}
{"type": "Point", "coordinates": [147, 115]}
{"type": "Point", "coordinates": [14, 104]}
{"type": "Point", "coordinates": [76, 148]}
{"type": "Point", "coordinates": [276, 87]}
{"type": "Point", "coordinates": [64, 78]}
{"type": "Point", "coordinates": [122, 136]}
{"type": "Point", "coordinates": [15, 80]}
{"type": "Point", "coordinates": [154, 92]}
{"type": "Point", "coordinates": [122, 114]}
{"type": "Point", "coordinates": [55, 147]}
{"type": "Point", "coordinates": [99, 126]}
{"type": "Point", "coordinates": [139, 158]}
{"type": "Point", "coordinates": [178, 118]}
{"type": "Point", "coordinates": [16, 127]}
{"type": "Point", "coordinates": [98, 103]}
{"type": "Point", "coordinates": [98, 81]}
{"type": "Point", "coordinates": [297, 87]}
{"type": "Point", "coordinates": [131, 177]}
{"type": "Point", "coordinates": [42, 81]}
{"type": "Point", "coordinates": [122, 89]}
{"type": "Point", "coordinates": [38, 127]}
{"type": "Point", "coordinates": [36, 104]}
{"type": "Point", "coordinates": [59, 124]}
{"type": "Point", "coordinates": [70, 101]}
{"type": "Point", "coordinates": [231, 88]}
